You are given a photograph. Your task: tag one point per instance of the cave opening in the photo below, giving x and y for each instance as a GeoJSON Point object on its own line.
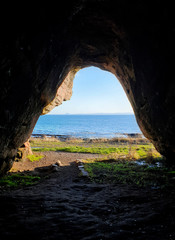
{"type": "Point", "coordinates": [88, 126]}
{"type": "Point", "coordinates": [95, 91]}
{"type": "Point", "coordinates": [97, 107]}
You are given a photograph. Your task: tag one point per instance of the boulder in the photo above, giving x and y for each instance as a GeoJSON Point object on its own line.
{"type": "Point", "coordinates": [23, 152]}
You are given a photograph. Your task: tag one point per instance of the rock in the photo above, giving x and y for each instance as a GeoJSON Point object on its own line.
{"type": "Point", "coordinates": [64, 92]}
{"type": "Point", "coordinates": [42, 50]}
{"type": "Point", "coordinates": [5, 166]}
{"type": "Point", "coordinates": [134, 135]}
{"type": "Point", "coordinates": [81, 168]}
{"type": "Point", "coordinates": [58, 163]}
{"type": "Point", "coordinates": [23, 152]}
{"type": "Point", "coordinates": [54, 168]}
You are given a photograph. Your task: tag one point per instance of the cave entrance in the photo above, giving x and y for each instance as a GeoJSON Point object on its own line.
{"type": "Point", "coordinates": [96, 122]}
{"type": "Point", "coordinates": [98, 108]}
{"type": "Point", "coordinates": [95, 91]}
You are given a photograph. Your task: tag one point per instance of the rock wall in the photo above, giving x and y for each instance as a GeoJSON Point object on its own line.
{"type": "Point", "coordinates": [64, 92]}
{"type": "Point", "coordinates": [41, 45]}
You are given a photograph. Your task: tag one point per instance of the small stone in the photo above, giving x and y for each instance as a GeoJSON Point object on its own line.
{"type": "Point", "coordinates": [55, 168]}
{"type": "Point", "coordinates": [80, 167]}
{"type": "Point", "coordinates": [58, 163]}
{"type": "Point", "coordinates": [84, 173]}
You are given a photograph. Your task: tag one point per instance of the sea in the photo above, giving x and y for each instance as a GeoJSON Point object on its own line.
{"type": "Point", "coordinates": [87, 126]}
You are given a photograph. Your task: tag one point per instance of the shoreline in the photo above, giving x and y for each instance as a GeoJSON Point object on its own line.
{"type": "Point", "coordinates": [65, 137]}
{"type": "Point", "coordinates": [132, 138]}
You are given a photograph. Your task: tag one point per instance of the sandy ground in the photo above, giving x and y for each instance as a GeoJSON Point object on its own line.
{"type": "Point", "coordinates": [67, 206]}
{"type": "Point", "coordinates": [66, 158]}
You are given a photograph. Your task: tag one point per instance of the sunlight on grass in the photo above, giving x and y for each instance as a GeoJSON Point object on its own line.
{"type": "Point", "coordinates": [35, 157]}
{"type": "Point", "coordinates": [79, 149]}
{"type": "Point", "coordinates": [130, 152]}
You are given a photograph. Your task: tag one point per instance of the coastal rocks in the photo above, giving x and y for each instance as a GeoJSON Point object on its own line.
{"type": "Point", "coordinates": [39, 53]}
{"type": "Point", "coordinates": [134, 135]}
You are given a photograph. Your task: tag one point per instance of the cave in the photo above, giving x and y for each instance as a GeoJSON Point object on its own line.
{"type": "Point", "coordinates": [43, 47]}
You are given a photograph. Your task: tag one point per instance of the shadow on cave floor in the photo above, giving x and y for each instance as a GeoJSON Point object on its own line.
{"type": "Point", "coordinates": [67, 206]}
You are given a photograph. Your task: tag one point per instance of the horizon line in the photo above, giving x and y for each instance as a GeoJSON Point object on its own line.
{"type": "Point", "coordinates": [90, 113]}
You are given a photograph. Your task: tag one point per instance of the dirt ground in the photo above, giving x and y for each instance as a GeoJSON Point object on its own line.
{"type": "Point", "coordinates": [67, 206]}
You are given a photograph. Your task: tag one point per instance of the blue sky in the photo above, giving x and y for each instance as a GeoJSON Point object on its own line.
{"type": "Point", "coordinates": [95, 91]}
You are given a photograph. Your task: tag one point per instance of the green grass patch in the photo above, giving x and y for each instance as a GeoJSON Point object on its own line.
{"type": "Point", "coordinates": [35, 157]}
{"type": "Point", "coordinates": [45, 149]}
{"type": "Point", "coordinates": [127, 172]}
{"type": "Point", "coordinates": [79, 149]}
{"type": "Point", "coordinates": [16, 180]}
{"type": "Point", "coordinates": [131, 151]}
{"type": "Point", "coordinates": [94, 150]}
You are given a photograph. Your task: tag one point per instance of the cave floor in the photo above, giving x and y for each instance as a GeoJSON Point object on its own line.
{"type": "Point", "coordinates": [67, 206]}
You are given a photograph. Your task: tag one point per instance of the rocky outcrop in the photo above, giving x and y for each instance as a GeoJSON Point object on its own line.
{"type": "Point", "coordinates": [23, 152]}
{"type": "Point", "coordinates": [42, 45]}
{"type": "Point", "coordinates": [64, 92]}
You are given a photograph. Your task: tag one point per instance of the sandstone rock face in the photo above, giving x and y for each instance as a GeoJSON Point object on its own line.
{"type": "Point", "coordinates": [64, 92]}
{"type": "Point", "coordinates": [23, 152]}
{"type": "Point", "coordinates": [41, 46]}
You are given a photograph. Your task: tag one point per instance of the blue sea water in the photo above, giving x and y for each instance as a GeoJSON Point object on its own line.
{"type": "Point", "coordinates": [86, 126]}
